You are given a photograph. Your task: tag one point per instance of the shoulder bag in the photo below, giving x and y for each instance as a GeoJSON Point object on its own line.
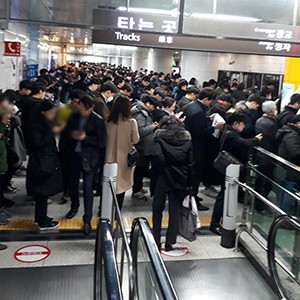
{"type": "Point", "coordinates": [225, 158]}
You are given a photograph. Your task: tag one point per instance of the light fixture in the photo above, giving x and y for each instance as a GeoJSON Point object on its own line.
{"type": "Point", "coordinates": [173, 13]}
{"type": "Point", "coordinates": [218, 17]}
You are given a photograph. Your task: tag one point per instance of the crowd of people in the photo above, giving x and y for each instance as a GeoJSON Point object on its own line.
{"type": "Point", "coordinates": [73, 120]}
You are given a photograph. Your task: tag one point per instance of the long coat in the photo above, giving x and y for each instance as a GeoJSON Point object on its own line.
{"type": "Point", "coordinates": [120, 139]}
{"type": "Point", "coordinates": [44, 177]}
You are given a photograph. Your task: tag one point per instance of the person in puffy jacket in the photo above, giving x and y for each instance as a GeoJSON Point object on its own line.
{"type": "Point", "coordinates": [172, 168]}
{"type": "Point", "coordinates": [142, 113]}
{"type": "Point", "coordinates": [289, 138]}
{"type": "Point", "coordinates": [289, 148]}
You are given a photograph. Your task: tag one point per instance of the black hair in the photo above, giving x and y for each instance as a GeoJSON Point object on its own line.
{"type": "Point", "coordinates": [76, 94]}
{"type": "Point", "coordinates": [25, 84]}
{"type": "Point", "coordinates": [235, 117]}
{"type": "Point", "coordinates": [146, 78]}
{"type": "Point", "coordinates": [205, 84]}
{"type": "Point", "coordinates": [36, 88]}
{"type": "Point", "coordinates": [159, 91]}
{"type": "Point", "coordinates": [170, 123]}
{"type": "Point", "coordinates": [87, 101]}
{"type": "Point", "coordinates": [161, 74]}
{"type": "Point", "coordinates": [43, 71]}
{"type": "Point", "coordinates": [177, 76]}
{"type": "Point", "coordinates": [83, 76]}
{"type": "Point", "coordinates": [127, 87]}
{"type": "Point", "coordinates": [265, 92]}
{"type": "Point", "coordinates": [254, 98]}
{"type": "Point", "coordinates": [235, 84]}
{"type": "Point", "coordinates": [118, 80]}
{"type": "Point", "coordinates": [168, 102]}
{"type": "Point", "coordinates": [109, 86]}
{"type": "Point", "coordinates": [150, 99]}
{"type": "Point", "coordinates": [207, 93]}
{"type": "Point", "coordinates": [295, 99]}
{"type": "Point", "coordinates": [10, 95]}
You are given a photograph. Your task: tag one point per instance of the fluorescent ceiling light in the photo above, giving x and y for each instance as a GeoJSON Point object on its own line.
{"type": "Point", "coordinates": [173, 13]}
{"type": "Point", "coordinates": [218, 17]}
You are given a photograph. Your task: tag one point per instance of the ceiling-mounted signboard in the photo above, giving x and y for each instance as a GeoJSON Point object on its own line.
{"type": "Point", "coordinates": [123, 20]}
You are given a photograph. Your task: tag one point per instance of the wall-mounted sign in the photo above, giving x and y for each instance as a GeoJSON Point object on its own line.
{"type": "Point", "coordinates": [241, 30]}
{"type": "Point", "coordinates": [134, 21]}
{"type": "Point", "coordinates": [12, 48]}
{"type": "Point", "coordinates": [195, 43]}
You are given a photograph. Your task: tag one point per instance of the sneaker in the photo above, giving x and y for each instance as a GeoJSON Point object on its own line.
{"type": "Point", "coordinates": [139, 196]}
{"type": "Point", "coordinates": [6, 213]}
{"type": "Point", "coordinates": [10, 190]}
{"type": "Point", "coordinates": [198, 199]}
{"type": "Point", "coordinates": [209, 193]}
{"type": "Point", "coordinates": [212, 188]}
{"type": "Point", "coordinates": [3, 218]}
{"type": "Point", "coordinates": [49, 226]}
{"type": "Point", "coordinates": [144, 191]}
{"type": "Point", "coordinates": [216, 230]}
{"type": "Point", "coordinates": [7, 202]}
{"type": "Point", "coordinates": [3, 247]}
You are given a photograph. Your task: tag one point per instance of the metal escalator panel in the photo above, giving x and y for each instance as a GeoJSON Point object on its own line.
{"type": "Point", "coordinates": [106, 277]}
{"type": "Point", "coordinates": [151, 276]}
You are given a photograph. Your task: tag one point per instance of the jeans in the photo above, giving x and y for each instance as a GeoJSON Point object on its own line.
{"type": "Point", "coordinates": [176, 198]}
{"type": "Point", "coordinates": [287, 203]}
{"type": "Point", "coordinates": [2, 181]}
{"type": "Point", "coordinates": [88, 196]}
{"type": "Point", "coordinates": [218, 208]}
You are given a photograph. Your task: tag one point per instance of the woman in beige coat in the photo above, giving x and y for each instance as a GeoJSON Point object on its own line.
{"type": "Point", "coordinates": [122, 134]}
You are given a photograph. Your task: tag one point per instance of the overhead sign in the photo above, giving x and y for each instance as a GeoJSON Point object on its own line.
{"type": "Point", "coordinates": [134, 21]}
{"type": "Point", "coordinates": [12, 48]}
{"type": "Point", "coordinates": [241, 30]}
{"type": "Point", "coordinates": [32, 254]}
{"type": "Point", "coordinates": [194, 43]}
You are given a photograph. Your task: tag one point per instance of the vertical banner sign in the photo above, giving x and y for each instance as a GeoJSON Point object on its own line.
{"type": "Point", "coordinates": [12, 49]}
{"type": "Point", "coordinates": [32, 71]}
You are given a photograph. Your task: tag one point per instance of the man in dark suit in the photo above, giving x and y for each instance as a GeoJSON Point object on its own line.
{"type": "Point", "coordinates": [87, 135]}
{"type": "Point", "coordinates": [201, 130]}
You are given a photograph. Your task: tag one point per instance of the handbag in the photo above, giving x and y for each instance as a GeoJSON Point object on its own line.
{"type": "Point", "coordinates": [188, 220]}
{"type": "Point", "coordinates": [132, 157]}
{"type": "Point", "coordinates": [224, 158]}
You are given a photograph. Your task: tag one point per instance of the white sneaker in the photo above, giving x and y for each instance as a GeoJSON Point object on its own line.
{"type": "Point", "coordinates": [139, 196]}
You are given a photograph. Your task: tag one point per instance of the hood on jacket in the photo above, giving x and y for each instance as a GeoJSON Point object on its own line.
{"type": "Point", "coordinates": [284, 130]}
{"type": "Point", "coordinates": [138, 108]}
{"type": "Point", "coordinates": [173, 137]}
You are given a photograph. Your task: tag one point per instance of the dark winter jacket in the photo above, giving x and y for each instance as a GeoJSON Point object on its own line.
{"type": "Point", "coordinates": [198, 125]}
{"type": "Point", "coordinates": [144, 121]}
{"type": "Point", "coordinates": [182, 104]}
{"type": "Point", "coordinates": [93, 146]}
{"type": "Point", "coordinates": [286, 116]}
{"type": "Point", "coordinates": [173, 157]}
{"type": "Point", "coordinates": [237, 145]}
{"type": "Point", "coordinates": [289, 143]}
{"type": "Point", "coordinates": [3, 152]}
{"type": "Point", "coordinates": [43, 172]}
{"type": "Point", "coordinates": [268, 127]}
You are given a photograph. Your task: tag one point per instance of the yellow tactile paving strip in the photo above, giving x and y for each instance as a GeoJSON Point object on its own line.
{"type": "Point", "coordinates": [76, 223]}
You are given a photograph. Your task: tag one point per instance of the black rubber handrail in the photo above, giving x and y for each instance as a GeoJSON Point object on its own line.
{"type": "Point", "coordinates": [105, 266]}
{"type": "Point", "coordinates": [141, 228]}
{"type": "Point", "coordinates": [271, 251]}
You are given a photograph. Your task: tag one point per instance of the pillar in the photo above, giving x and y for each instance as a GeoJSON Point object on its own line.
{"type": "Point", "coordinates": [33, 53]}
{"type": "Point", "coordinates": [139, 58]}
{"type": "Point", "coordinates": [291, 73]}
{"type": "Point", "coordinates": [160, 60]}
{"type": "Point", "coordinates": [201, 65]}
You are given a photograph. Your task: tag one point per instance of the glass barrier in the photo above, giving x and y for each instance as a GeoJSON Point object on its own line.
{"type": "Point", "coordinates": [285, 260]}
{"type": "Point", "coordinates": [2, 9]}
{"type": "Point", "coordinates": [152, 279]}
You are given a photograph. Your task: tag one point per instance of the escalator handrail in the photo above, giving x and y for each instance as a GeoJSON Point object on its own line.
{"type": "Point", "coordinates": [105, 258]}
{"type": "Point", "coordinates": [271, 251]}
{"type": "Point", "coordinates": [140, 227]}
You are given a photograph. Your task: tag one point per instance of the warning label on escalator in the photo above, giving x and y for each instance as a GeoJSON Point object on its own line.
{"type": "Point", "coordinates": [32, 253]}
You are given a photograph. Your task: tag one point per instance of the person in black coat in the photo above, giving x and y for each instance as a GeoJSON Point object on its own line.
{"type": "Point", "coordinates": [44, 177]}
{"type": "Point", "coordinates": [201, 130]}
{"type": "Point", "coordinates": [289, 111]}
{"type": "Point", "coordinates": [172, 171]}
{"type": "Point", "coordinates": [267, 125]}
{"type": "Point", "coordinates": [239, 147]}
{"type": "Point", "coordinates": [289, 138]}
{"type": "Point", "coordinates": [87, 138]}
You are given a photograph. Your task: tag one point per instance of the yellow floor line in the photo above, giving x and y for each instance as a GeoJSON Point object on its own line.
{"type": "Point", "coordinates": [76, 223]}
